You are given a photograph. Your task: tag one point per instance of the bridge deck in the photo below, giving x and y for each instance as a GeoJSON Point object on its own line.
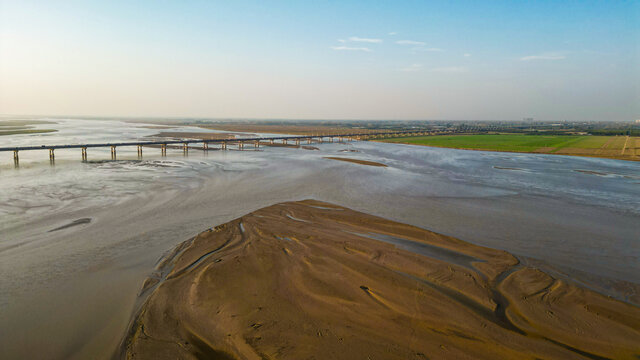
{"type": "Point", "coordinates": [193, 141]}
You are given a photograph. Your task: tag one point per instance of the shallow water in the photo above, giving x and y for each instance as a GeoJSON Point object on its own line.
{"type": "Point", "coordinates": [69, 293]}
{"type": "Point", "coordinates": [431, 251]}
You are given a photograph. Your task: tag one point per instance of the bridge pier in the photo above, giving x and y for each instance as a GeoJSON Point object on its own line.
{"type": "Point", "coordinates": [16, 160]}
{"type": "Point", "coordinates": [298, 140]}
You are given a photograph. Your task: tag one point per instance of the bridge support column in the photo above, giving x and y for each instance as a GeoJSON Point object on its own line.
{"type": "Point", "coordinates": [16, 159]}
{"type": "Point", "coordinates": [297, 142]}
{"type": "Point", "coordinates": [163, 149]}
{"type": "Point", "coordinates": [240, 145]}
{"type": "Point", "coordinates": [330, 139]}
{"type": "Point", "coordinates": [271, 141]}
{"type": "Point", "coordinates": [224, 145]}
{"type": "Point", "coordinates": [205, 146]}
{"type": "Point", "coordinates": [113, 152]}
{"type": "Point", "coordinates": [309, 141]}
{"type": "Point", "coordinates": [139, 151]}
{"type": "Point", "coordinates": [284, 141]}
{"type": "Point", "coordinates": [185, 147]}
{"type": "Point", "coordinates": [256, 144]}
{"type": "Point", "coordinates": [52, 156]}
{"type": "Point", "coordinates": [84, 154]}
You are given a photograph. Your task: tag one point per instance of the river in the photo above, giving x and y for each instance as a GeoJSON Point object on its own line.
{"type": "Point", "coordinates": [70, 293]}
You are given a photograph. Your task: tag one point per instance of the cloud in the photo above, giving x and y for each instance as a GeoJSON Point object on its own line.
{"type": "Point", "coordinates": [393, 33]}
{"type": "Point", "coordinates": [450, 69]}
{"type": "Point", "coordinates": [348, 48]}
{"type": "Point", "coordinates": [410, 42]}
{"type": "Point", "coordinates": [367, 40]}
{"type": "Point", "coordinates": [418, 46]}
{"type": "Point", "coordinates": [543, 57]}
{"type": "Point", "coordinates": [418, 49]}
{"type": "Point", "coordinates": [412, 67]}
{"type": "Point", "coordinates": [342, 41]}
{"type": "Point", "coordinates": [466, 55]}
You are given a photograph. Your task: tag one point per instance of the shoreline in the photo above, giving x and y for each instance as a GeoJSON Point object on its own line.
{"type": "Point", "coordinates": [387, 281]}
{"type": "Point", "coordinates": [513, 152]}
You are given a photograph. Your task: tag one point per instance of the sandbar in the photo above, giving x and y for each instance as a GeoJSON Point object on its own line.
{"type": "Point", "coordinates": [313, 280]}
{"type": "Point", "coordinates": [356, 161]}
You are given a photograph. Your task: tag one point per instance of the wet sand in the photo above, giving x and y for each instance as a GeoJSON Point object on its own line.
{"type": "Point", "coordinates": [275, 144]}
{"type": "Point", "coordinates": [309, 279]}
{"type": "Point", "coordinates": [356, 161]}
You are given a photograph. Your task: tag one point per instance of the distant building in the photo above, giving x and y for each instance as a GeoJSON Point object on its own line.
{"type": "Point", "coordinates": [529, 119]}
{"type": "Point", "coordinates": [638, 121]}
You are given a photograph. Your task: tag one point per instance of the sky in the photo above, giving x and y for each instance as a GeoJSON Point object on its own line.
{"type": "Point", "coordinates": [397, 60]}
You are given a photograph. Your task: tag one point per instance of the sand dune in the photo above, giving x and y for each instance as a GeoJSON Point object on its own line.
{"type": "Point", "coordinates": [311, 280]}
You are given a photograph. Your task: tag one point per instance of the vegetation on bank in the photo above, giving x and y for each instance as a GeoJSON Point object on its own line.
{"type": "Point", "coordinates": [618, 147]}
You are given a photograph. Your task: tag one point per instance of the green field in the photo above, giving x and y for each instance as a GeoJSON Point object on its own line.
{"type": "Point", "coordinates": [510, 142]}
{"type": "Point", "coordinates": [600, 146]}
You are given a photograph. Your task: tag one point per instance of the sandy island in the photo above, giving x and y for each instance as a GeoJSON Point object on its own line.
{"type": "Point", "coordinates": [356, 161]}
{"type": "Point", "coordinates": [312, 280]}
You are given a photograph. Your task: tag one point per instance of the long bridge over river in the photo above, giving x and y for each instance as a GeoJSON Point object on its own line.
{"type": "Point", "coordinates": [222, 143]}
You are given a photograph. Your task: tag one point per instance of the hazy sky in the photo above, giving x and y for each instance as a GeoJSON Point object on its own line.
{"type": "Point", "coordinates": [555, 60]}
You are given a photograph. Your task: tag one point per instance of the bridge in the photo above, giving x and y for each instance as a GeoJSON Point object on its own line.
{"type": "Point", "coordinates": [223, 143]}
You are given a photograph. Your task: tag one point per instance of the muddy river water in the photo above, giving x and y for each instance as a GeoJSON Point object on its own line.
{"type": "Point", "coordinates": [78, 239]}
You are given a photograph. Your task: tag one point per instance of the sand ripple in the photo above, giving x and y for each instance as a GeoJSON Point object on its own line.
{"type": "Point", "coordinates": [333, 290]}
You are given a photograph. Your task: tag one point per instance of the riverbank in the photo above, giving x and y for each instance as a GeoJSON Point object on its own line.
{"type": "Point", "coordinates": [292, 129]}
{"type": "Point", "coordinates": [21, 127]}
{"type": "Point", "coordinates": [311, 279]}
{"type": "Point", "coordinates": [608, 147]}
